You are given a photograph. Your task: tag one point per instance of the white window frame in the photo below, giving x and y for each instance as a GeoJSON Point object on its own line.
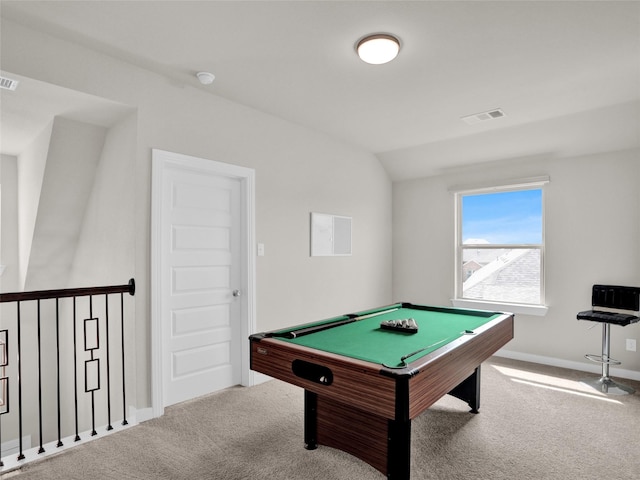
{"type": "Point", "coordinates": [514, 185]}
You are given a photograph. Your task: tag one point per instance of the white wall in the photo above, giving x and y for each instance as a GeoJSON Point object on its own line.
{"type": "Point", "coordinates": [70, 164]}
{"type": "Point", "coordinates": [592, 236]}
{"type": "Point", "coordinates": [105, 253]}
{"type": "Point", "coordinates": [297, 171]}
{"type": "Point", "coordinates": [9, 227]}
{"type": "Point", "coordinates": [31, 168]}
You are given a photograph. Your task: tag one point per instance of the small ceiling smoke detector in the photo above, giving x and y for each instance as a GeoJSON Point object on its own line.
{"type": "Point", "coordinates": [8, 83]}
{"type": "Point", "coordinates": [205, 78]}
{"type": "Point", "coordinates": [483, 117]}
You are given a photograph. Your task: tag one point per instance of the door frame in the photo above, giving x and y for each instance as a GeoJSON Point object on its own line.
{"type": "Point", "coordinates": [161, 160]}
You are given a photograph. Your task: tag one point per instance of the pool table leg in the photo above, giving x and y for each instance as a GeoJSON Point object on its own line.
{"type": "Point", "coordinates": [399, 450]}
{"type": "Point", "coordinates": [469, 390]}
{"type": "Point", "coordinates": [310, 420]}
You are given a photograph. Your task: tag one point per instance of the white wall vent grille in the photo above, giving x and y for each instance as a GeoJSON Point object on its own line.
{"type": "Point", "coordinates": [483, 116]}
{"type": "Point", "coordinates": [8, 84]}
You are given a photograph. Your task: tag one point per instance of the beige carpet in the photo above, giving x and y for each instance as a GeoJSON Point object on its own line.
{"type": "Point", "coordinates": [535, 422]}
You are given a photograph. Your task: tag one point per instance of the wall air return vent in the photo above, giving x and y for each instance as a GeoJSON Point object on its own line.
{"type": "Point", "coordinates": [8, 84]}
{"type": "Point", "coordinates": [483, 117]}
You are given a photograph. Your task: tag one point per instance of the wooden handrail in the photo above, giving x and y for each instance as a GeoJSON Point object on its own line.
{"type": "Point", "coordinates": [68, 292]}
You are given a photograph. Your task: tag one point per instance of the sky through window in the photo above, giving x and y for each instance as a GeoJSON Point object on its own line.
{"type": "Point", "coordinates": [502, 218]}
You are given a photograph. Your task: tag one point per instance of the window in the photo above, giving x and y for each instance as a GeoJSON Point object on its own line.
{"type": "Point", "coordinates": [500, 245]}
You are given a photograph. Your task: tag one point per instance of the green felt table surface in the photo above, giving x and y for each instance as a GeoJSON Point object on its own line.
{"type": "Point", "coordinates": [365, 340]}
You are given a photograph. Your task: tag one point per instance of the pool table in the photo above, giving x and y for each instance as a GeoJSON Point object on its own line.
{"type": "Point", "coordinates": [365, 381]}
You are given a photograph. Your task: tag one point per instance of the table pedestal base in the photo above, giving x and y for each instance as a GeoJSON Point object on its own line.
{"type": "Point", "coordinates": [383, 443]}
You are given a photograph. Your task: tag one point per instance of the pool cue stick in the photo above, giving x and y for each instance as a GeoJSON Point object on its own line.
{"type": "Point", "coordinates": [325, 326]}
{"type": "Point", "coordinates": [375, 314]}
{"type": "Point", "coordinates": [403, 359]}
{"type": "Point", "coordinates": [308, 330]}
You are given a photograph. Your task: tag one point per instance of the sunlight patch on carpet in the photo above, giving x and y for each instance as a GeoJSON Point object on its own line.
{"type": "Point", "coordinates": [557, 384]}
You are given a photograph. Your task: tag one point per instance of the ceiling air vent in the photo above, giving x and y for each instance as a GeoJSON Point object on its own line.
{"type": "Point", "coordinates": [8, 84]}
{"type": "Point", "coordinates": [483, 117]}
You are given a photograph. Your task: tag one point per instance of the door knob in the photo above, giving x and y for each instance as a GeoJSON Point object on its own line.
{"type": "Point", "coordinates": [236, 293]}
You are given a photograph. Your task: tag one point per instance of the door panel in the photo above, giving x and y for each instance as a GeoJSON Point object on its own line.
{"type": "Point", "coordinates": [201, 268]}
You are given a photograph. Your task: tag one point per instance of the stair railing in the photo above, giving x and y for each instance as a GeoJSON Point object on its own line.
{"type": "Point", "coordinates": [44, 336]}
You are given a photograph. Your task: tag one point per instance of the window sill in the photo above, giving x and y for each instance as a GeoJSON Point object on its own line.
{"type": "Point", "coordinates": [535, 310]}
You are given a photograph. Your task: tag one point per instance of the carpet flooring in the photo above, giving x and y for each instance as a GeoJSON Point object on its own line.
{"type": "Point", "coordinates": [535, 423]}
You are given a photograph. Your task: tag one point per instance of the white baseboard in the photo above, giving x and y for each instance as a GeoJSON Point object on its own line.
{"type": "Point", "coordinates": [558, 362]}
{"type": "Point", "coordinates": [142, 415]}
{"type": "Point", "coordinates": [259, 378]}
{"type": "Point", "coordinates": [12, 447]}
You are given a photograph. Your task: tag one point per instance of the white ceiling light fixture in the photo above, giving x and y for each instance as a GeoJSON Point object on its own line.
{"type": "Point", "coordinates": [205, 78]}
{"type": "Point", "coordinates": [378, 48]}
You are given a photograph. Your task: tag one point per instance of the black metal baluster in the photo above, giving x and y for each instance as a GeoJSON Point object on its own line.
{"type": "Point", "coordinates": [75, 368]}
{"type": "Point", "coordinates": [124, 402]}
{"type": "Point", "coordinates": [58, 367]}
{"type": "Point", "coordinates": [93, 398]}
{"type": "Point", "coordinates": [41, 449]}
{"type": "Point", "coordinates": [20, 453]}
{"type": "Point", "coordinates": [4, 388]}
{"type": "Point", "coordinates": [106, 316]}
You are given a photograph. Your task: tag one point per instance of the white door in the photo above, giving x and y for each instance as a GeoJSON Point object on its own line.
{"type": "Point", "coordinates": [201, 285]}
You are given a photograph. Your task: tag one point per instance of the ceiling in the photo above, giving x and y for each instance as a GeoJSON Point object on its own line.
{"type": "Point", "coordinates": [27, 111]}
{"type": "Point", "coordinates": [566, 74]}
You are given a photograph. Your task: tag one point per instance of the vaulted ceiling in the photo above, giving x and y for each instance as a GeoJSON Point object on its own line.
{"type": "Point", "coordinates": [566, 74]}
